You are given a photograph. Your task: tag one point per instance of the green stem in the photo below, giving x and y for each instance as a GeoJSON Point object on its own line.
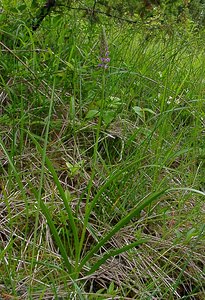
{"type": "Point", "coordinates": [90, 184]}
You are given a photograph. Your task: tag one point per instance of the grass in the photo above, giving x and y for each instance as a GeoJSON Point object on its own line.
{"type": "Point", "coordinates": [102, 170]}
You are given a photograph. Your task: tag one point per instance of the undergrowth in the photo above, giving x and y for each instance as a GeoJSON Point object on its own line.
{"type": "Point", "coordinates": [102, 168]}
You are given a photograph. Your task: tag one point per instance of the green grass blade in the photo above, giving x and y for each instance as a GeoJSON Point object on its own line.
{"type": "Point", "coordinates": [56, 236]}
{"type": "Point", "coordinates": [111, 178]}
{"type": "Point", "coordinates": [115, 252]}
{"type": "Point", "coordinates": [120, 225]}
{"type": "Point", "coordinates": [12, 166]}
{"type": "Point", "coordinates": [8, 246]}
{"type": "Point", "coordinates": [61, 192]}
{"type": "Point", "coordinates": [188, 189]}
{"type": "Point", "coordinates": [109, 181]}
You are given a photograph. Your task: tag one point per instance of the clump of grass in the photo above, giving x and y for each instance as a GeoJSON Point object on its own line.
{"type": "Point", "coordinates": [102, 182]}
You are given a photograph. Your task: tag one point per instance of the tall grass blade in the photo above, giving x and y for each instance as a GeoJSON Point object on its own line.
{"type": "Point", "coordinates": [120, 225]}
{"type": "Point", "coordinates": [113, 253]}
{"type": "Point", "coordinates": [61, 192]}
{"type": "Point", "coordinates": [54, 231]}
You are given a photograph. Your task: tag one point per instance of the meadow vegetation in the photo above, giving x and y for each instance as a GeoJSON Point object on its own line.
{"type": "Point", "coordinates": [102, 169]}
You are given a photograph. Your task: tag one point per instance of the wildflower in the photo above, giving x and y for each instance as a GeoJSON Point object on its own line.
{"type": "Point", "coordinates": [169, 101]}
{"type": "Point", "coordinates": [160, 74]}
{"type": "Point", "coordinates": [104, 51]}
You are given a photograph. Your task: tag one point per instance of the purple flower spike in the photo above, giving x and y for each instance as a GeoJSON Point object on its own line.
{"type": "Point", "coordinates": [104, 52]}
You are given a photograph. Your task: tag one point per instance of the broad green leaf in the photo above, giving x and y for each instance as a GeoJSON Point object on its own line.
{"type": "Point", "coordinates": [108, 116]}
{"type": "Point", "coordinates": [149, 110]}
{"type": "Point", "coordinates": [92, 114]}
{"type": "Point", "coordinates": [139, 111]}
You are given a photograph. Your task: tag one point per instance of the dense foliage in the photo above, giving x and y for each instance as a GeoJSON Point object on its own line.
{"type": "Point", "coordinates": [102, 150]}
{"type": "Point", "coordinates": [129, 10]}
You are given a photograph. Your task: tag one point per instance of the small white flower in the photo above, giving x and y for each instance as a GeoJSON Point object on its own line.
{"type": "Point", "coordinates": [177, 101]}
{"type": "Point", "coordinates": [160, 74]}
